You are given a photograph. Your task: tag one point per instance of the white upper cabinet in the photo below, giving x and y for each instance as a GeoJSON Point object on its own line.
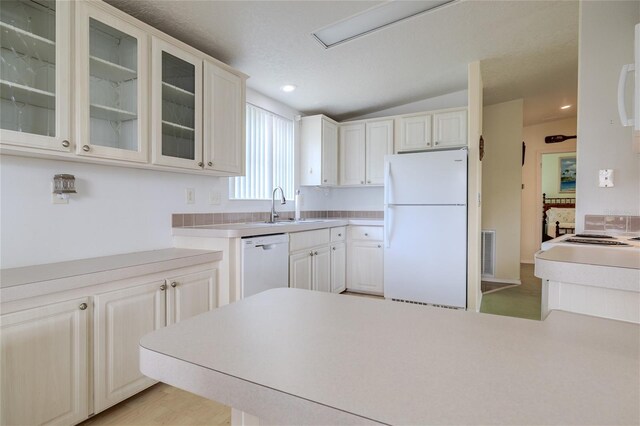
{"type": "Point", "coordinates": [379, 143]}
{"type": "Point", "coordinates": [362, 150]}
{"type": "Point", "coordinates": [176, 107]}
{"type": "Point", "coordinates": [224, 124]}
{"type": "Point", "coordinates": [319, 151]}
{"type": "Point", "coordinates": [112, 85]}
{"type": "Point", "coordinates": [352, 154]}
{"type": "Point", "coordinates": [122, 93]}
{"type": "Point", "coordinates": [35, 74]}
{"type": "Point", "coordinates": [415, 133]}
{"type": "Point", "coordinates": [450, 129]}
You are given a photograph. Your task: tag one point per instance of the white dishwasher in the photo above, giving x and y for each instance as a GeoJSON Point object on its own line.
{"type": "Point", "coordinates": [265, 263]}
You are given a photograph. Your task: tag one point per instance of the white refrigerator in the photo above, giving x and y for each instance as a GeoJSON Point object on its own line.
{"type": "Point", "coordinates": [425, 215]}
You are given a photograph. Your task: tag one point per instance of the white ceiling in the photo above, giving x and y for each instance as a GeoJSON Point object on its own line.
{"type": "Point", "coordinates": [528, 49]}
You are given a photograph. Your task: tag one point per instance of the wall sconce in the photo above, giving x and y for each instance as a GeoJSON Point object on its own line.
{"type": "Point", "coordinates": [63, 185]}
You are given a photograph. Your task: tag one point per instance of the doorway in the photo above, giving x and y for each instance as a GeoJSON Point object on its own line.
{"type": "Point", "coordinates": [557, 194]}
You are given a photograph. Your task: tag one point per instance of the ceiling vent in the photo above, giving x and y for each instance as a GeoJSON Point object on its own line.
{"type": "Point", "coordinates": [373, 19]}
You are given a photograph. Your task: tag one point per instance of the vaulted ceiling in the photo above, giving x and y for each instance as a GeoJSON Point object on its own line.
{"type": "Point", "coordinates": [528, 49]}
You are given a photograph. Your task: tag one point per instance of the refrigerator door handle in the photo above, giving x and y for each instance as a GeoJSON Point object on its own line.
{"type": "Point", "coordinates": [622, 82]}
{"type": "Point", "coordinates": [387, 226]}
{"type": "Point", "coordinates": [387, 181]}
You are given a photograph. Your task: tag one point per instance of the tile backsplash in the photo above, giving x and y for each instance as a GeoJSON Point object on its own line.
{"type": "Point", "coordinates": [201, 219]}
{"type": "Point", "coordinates": [615, 224]}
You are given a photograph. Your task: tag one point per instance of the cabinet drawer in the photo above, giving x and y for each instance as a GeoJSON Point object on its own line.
{"type": "Point", "coordinates": [338, 234]}
{"type": "Point", "coordinates": [308, 239]}
{"type": "Point", "coordinates": [371, 233]}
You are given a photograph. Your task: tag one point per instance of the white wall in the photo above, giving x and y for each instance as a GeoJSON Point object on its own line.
{"type": "Point", "coordinates": [501, 184]}
{"type": "Point", "coordinates": [116, 210]}
{"type": "Point", "coordinates": [606, 43]}
{"type": "Point", "coordinates": [343, 198]}
{"type": "Point", "coordinates": [449, 100]}
{"type": "Point", "coordinates": [551, 174]}
{"type": "Point", "coordinates": [531, 215]}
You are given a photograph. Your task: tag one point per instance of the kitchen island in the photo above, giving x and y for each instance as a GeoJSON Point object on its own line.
{"type": "Point", "coordinates": [592, 280]}
{"type": "Point", "coordinates": [292, 356]}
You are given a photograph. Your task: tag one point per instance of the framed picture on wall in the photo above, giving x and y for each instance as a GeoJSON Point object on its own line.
{"type": "Point", "coordinates": [567, 174]}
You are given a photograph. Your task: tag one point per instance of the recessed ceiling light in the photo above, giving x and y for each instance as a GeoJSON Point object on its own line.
{"type": "Point", "coordinates": [566, 106]}
{"type": "Point", "coordinates": [288, 88]}
{"type": "Point", "coordinates": [373, 19]}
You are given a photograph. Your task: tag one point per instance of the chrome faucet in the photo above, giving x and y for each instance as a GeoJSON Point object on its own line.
{"type": "Point", "coordinates": [275, 215]}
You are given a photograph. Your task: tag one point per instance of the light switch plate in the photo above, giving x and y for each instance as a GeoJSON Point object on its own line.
{"type": "Point", "coordinates": [606, 178]}
{"type": "Point", "coordinates": [214, 198]}
{"type": "Point", "coordinates": [190, 195]}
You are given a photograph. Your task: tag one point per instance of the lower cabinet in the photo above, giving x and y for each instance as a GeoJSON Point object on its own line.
{"type": "Point", "coordinates": [122, 317]}
{"type": "Point", "coordinates": [190, 295]}
{"type": "Point", "coordinates": [310, 269]}
{"type": "Point", "coordinates": [321, 267]}
{"type": "Point", "coordinates": [338, 267]}
{"type": "Point", "coordinates": [365, 268]}
{"type": "Point", "coordinates": [45, 364]}
{"type": "Point", "coordinates": [45, 361]}
{"type": "Point", "coordinates": [365, 254]}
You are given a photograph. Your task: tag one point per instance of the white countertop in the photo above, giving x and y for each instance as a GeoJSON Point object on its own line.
{"type": "Point", "coordinates": [302, 357]}
{"type": "Point", "coordinates": [608, 267]}
{"type": "Point", "coordinates": [237, 230]}
{"type": "Point", "coordinates": [36, 280]}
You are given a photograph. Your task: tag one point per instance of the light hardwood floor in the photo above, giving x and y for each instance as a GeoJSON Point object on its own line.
{"type": "Point", "coordinates": [162, 404]}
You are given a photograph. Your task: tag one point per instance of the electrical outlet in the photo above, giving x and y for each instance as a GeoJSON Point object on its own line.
{"type": "Point", "coordinates": [190, 194]}
{"type": "Point", "coordinates": [58, 199]}
{"type": "Point", "coordinates": [215, 198]}
{"type": "Point", "coordinates": [606, 178]}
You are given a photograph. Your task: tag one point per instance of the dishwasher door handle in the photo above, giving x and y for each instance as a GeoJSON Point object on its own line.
{"type": "Point", "coordinates": [266, 246]}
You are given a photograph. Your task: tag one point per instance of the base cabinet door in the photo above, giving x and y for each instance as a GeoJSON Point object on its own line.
{"type": "Point", "coordinates": [300, 269]}
{"type": "Point", "coordinates": [122, 317]}
{"type": "Point", "coordinates": [44, 364]}
{"type": "Point", "coordinates": [365, 267]}
{"type": "Point", "coordinates": [338, 267]}
{"type": "Point", "coordinates": [321, 269]}
{"type": "Point", "coordinates": [190, 295]}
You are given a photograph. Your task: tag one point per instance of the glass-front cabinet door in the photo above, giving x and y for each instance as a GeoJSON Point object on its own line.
{"type": "Point", "coordinates": [176, 106]}
{"type": "Point", "coordinates": [34, 73]}
{"type": "Point", "coordinates": [112, 101]}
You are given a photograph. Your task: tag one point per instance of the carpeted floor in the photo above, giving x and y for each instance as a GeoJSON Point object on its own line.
{"type": "Point", "coordinates": [522, 301]}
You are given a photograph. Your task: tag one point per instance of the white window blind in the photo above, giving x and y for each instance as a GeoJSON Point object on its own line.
{"type": "Point", "coordinates": [269, 159]}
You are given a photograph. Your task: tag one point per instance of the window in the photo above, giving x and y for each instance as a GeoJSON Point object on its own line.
{"type": "Point", "coordinates": [269, 159]}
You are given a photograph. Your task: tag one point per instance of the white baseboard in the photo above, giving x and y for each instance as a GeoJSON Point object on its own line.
{"type": "Point", "coordinates": [529, 261]}
{"type": "Point", "coordinates": [501, 281]}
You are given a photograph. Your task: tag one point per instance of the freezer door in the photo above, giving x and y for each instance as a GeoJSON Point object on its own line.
{"type": "Point", "coordinates": [438, 177]}
{"type": "Point", "coordinates": [425, 256]}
